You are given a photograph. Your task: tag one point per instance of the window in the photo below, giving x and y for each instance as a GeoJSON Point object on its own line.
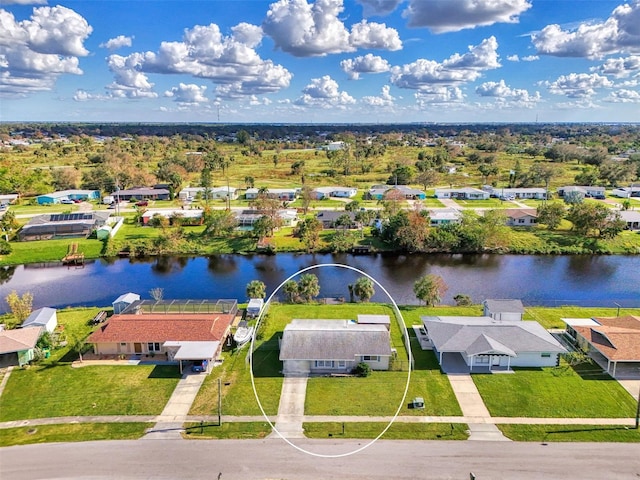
{"type": "Point", "coordinates": [123, 344]}
{"type": "Point", "coordinates": [546, 355]}
{"type": "Point", "coordinates": [482, 359]}
{"type": "Point", "coordinates": [370, 358]}
{"type": "Point", "coordinates": [342, 364]}
{"type": "Point", "coordinates": [324, 364]}
{"type": "Point", "coordinates": [153, 347]}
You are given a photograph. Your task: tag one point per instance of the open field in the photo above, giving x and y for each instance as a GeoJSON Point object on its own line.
{"type": "Point", "coordinates": [79, 432]}
{"type": "Point", "coordinates": [582, 391]}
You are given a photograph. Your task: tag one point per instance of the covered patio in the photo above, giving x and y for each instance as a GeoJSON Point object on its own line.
{"type": "Point", "coordinates": [192, 351]}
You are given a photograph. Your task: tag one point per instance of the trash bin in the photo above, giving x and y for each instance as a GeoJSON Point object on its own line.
{"type": "Point", "coordinates": [46, 352]}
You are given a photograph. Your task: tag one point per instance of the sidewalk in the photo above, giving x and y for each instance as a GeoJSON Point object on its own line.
{"type": "Point", "coordinates": [291, 408]}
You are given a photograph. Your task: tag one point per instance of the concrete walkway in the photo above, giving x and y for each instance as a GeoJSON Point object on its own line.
{"type": "Point", "coordinates": [177, 408]}
{"type": "Point", "coordinates": [481, 426]}
{"type": "Point", "coordinates": [5, 379]}
{"type": "Point", "coordinates": [291, 408]}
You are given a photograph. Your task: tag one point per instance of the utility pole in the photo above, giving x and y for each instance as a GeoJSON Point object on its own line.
{"type": "Point", "coordinates": [638, 412]}
{"type": "Point", "coordinates": [219, 402]}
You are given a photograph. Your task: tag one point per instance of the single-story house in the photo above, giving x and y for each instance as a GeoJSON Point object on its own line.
{"type": "Point", "coordinates": [333, 146]}
{"type": "Point", "coordinates": [503, 310]}
{"type": "Point", "coordinates": [121, 303]}
{"type": "Point", "coordinates": [376, 192]}
{"type": "Point", "coordinates": [17, 346]}
{"type": "Point", "coordinates": [6, 199]}
{"type": "Point", "coordinates": [626, 192]}
{"type": "Point", "coordinates": [44, 317]}
{"type": "Point", "coordinates": [444, 216]}
{"type": "Point", "coordinates": [613, 342]}
{"type": "Point", "coordinates": [380, 192]}
{"type": "Point", "coordinates": [284, 194]}
{"type": "Point", "coordinates": [482, 344]}
{"type": "Point", "coordinates": [56, 197]}
{"type": "Point", "coordinates": [463, 193]}
{"type": "Point", "coordinates": [534, 193]}
{"type": "Point", "coordinates": [333, 346]}
{"type": "Point", "coordinates": [63, 225]}
{"type": "Point", "coordinates": [583, 190]}
{"type": "Point", "coordinates": [521, 217]}
{"type": "Point", "coordinates": [337, 192]}
{"type": "Point", "coordinates": [177, 336]}
{"type": "Point", "coordinates": [188, 216]}
{"type": "Point", "coordinates": [246, 218]}
{"type": "Point", "coordinates": [632, 219]}
{"type": "Point", "coordinates": [328, 218]}
{"type": "Point", "coordinates": [142, 193]}
{"type": "Point", "coordinates": [215, 193]}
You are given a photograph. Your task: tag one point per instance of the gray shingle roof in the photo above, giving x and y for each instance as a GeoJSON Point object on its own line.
{"type": "Point", "coordinates": [333, 340]}
{"type": "Point", "coordinates": [475, 335]}
{"type": "Point", "coordinates": [40, 317]}
{"type": "Point", "coordinates": [504, 306]}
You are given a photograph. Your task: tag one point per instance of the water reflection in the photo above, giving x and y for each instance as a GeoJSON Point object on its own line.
{"type": "Point", "coordinates": [222, 264]}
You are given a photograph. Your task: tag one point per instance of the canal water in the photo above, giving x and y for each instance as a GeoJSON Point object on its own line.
{"type": "Point", "coordinates": [537, 280]}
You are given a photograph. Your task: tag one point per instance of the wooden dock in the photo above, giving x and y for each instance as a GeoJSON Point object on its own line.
{"type": "Point", "coordinates": [73, 256]}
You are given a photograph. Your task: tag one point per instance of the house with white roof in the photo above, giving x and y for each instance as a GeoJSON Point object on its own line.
{"type": "Point", "coordinates": [631, 218]}
{"type": "Point", "coordinates": [45, 317]}
{"type": "Point", "coordinates": [483, 344]}
{"type": "Point", "coordinates": [284, 194]}
{"type": "Point", "coordinates": [336, 192]}
{"type": "Point", "coordinates": [123, 301]}
{"type": "Point", "coordinates": [215, 193]}
{"type": "Point", "coordinates": [444, 216]}
{"type": "Point", "coordinates": [462, 193]}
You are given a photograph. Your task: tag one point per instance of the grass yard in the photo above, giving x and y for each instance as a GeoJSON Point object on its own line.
{"type": "Point", "coordinates": [488, 203]}
{"type": "Point", "coordinates": [570, 433]}
{"type": "Point", "coordinates": [240, 430]}
{"type": "Point", "coordinates": [550, 317]}
{"type": "Point", "coordinates": [397, 431]}
{"type": "Point", "coordinates": [60, 390]}
{"type": "Point", "coordinates": [579, 392]}
{"type": "Point", "coordinates": [77, 432]}
{"type": "Point", "coordinates": [49, 250]}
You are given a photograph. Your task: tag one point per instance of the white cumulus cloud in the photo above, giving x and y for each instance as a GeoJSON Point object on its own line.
{"type": "Point", "coordinates": [117, 42]}
{"type": "Point", "coordinates": [624, 96]}
{"type": "Point", "coordinates": [619, 67]}
{"type": "Point", "coordinates": [439, 95]}
{"type": "Point", "coordinates": [385, 99]}
{"type": "Point", "coordinates": [188, 94]}
{"type": "Point", "coordinates": [35, 52]}
{"type": "Point", "coordinates": [457, 69]}
{"type": "Point", "coordinates": [441, 16]}
{"type": "Point", "coordinates": [506, 95]}
{"type": "Point", "coordinates": [378, 7]}
{"type": "Point", "coordinates": [618, 33]}
{"type": "Point", "coordinates": [368, 63]}
{"type": "Point", "coordinates": [324, 92]}
{"type": "Point", "coordinates": [306, 30]}
{"type": "Point", "coordinates": [578, 85]}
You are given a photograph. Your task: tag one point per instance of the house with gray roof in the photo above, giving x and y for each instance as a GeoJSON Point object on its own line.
{"type": "Point", "coordinates": [482, 344]}
{"type": "Point", "coordinates": [45, 317]}
{"type": "Point", "coordinates": [333, 346]}
{"type": "Point", "coordinates": [503, 309]}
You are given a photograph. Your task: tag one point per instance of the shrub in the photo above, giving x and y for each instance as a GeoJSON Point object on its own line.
{"type": "Point", "coordinates": [5, 247]}
{"type": "Point", "coordinates": [362, 369]}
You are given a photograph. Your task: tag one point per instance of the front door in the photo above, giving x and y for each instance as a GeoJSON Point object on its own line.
{"type": "Point", "coordinates": [495, 361]}
{"type": "Point", "coordinates": [137, 347]}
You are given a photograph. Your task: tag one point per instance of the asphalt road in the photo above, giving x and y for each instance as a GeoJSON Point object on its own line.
{"type": "Point", "coordinates": [274, 459]}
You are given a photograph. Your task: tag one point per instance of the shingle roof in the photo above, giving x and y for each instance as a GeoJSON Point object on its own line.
{"type": "Point", "coordinates": [19, 339]}
{"type": "Point", "coordinates": [481, 334]}
{"type": "Point", "coordinates": [151, 327]}
{"type": "Point", "coordinates": [504, 306]}
{"type": "Point", "coordinates": [39, 317]}
{"type": "Point", "coordinates": [333, 340]}
{"type": "Point", "coordinates": [617, 338]}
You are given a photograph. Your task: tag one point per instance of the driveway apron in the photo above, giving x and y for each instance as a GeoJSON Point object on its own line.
{"type": "Point", "coordinates": [291, 408]}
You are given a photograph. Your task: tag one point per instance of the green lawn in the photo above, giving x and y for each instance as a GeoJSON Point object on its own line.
{"type": "Point", "coordinates": [77, 432]}
{"type": "Point", "coordinates": [550, 317]}
{"type": "Point", "coordinates": [579, 392]}
{"type": "Point", "coordinates": [488, 203]}
{"type": "Point", "coordinates": [570, 433]}
{"type": "Point", "coordinates": [240, 430]}
{"type": "Point", "coordinates": [49, 250]}
{"type": "Point", "coordinates": [60, 390]}
{"type": "Point", "coordinates": [397, 431]}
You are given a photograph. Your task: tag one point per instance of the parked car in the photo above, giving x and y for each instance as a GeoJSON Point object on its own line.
{"type": "Point", "coordinates": [66, 201]}
{"type": "Point", "coordinates": [142, 203]}
{"type": "Point", "coordinates": [199, 366]}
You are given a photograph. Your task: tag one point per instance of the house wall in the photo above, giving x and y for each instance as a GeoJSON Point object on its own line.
{"type": "Point", "coordinates": [296, 367]}
{"type": "Point", "coordinates": [529, 359]}
{"type": "Point", "coordinates": [382, 364]}
{"type": "Point", "coordinates": [107, 348]}
{"type": "Point", "coordinates": [507, 317]}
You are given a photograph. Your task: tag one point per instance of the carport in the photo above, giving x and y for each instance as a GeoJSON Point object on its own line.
{"type": "Point", "coordinates": [192, 351]}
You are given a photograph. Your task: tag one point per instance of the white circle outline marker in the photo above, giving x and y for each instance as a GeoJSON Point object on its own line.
{"type": "Point", "coordinates": [407, 344]}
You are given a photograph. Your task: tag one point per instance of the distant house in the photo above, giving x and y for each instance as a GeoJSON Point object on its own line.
{"type": "Point", "coordinates": [177, 336]}
{"type": "Point", "coordinates": [613, 342]}
{"type": "Point", "coordinates": [63, 225]}
{"type": "Point", "coordinates": [532, 193]}
{"type": "Point", "coordinates": [283, 194]}
{"type": "Point", "coordinates": [334, 192]}
{"type": "Point", "coordinates": [215, 193]}
{"type": "Point", "coordinates": [328, 218]}
{"type": "Point", "coordinates": [631, 218]}
{"type": "Point", "coordinates": [503, 310]}
{"type": "Point", "coordinates": [17, 346]}
{"type": "Point", "coordinates": [6, 199]}
{"type": "Point", "coordinates": [334, 146]}
{"type": "Point", "coordinates": [143, 193]}
{"type": "Point", "coordinates": [380, 192]}
{"type": "Point", "coordinates": [444, 216]}
{"type": "Point", "coordinates": [521, 217]}
{"type": "Point", "coordinates": [463, 193]}
{"type": "Point", "coordinates": [123, 301]}
{"type": "Point", "coordinates": [189, 216]}
{"type": "Point", "coordinates": [246, 218]}
{"type": "Point", "coordinates": [57, 197]}
{"type": "Point", "coordinates": [333, 346]}
{"type": "Point", "coordinates": [627, 192]}
{"type": "Point", "coordinates": [584, 191]}
{"type": "Point", "coordinates": [482, 344]}
{"type": "Point", "coordinates": [45, 317]}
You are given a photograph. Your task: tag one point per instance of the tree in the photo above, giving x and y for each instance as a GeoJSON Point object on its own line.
{"type": "Point", "coordinates": [595, 218]}
{"type": "Point", "coordinates": [290, 289]}
{"type": "Point", "coordinates": [363, 288]}
{"type": "Point", "coordinates": [256, 289]}
{"type": "Point", "coordinates": [219, 223]}
{"type": "Point", "coordinates": [487, 171]}
{"type": "Point", "coordinates": [308, 286]}
{"type": "Point", "coordinates": [264, 226]}
{"type": "Point", "coordinates": [309, 232]}
{"type": "Point", "coordinates": [462, 300]}
{"type": "Point", "coordinates": [428, 178]}
{"type": "Point", "coordinates": [401, 175]}
{"type": "Point", "coordinates": [588, 176]}
{"type": "Point", "coordinates": [249, 181]}
{"type": "Point", "coordinates": [157, 293]}
{"type": "Point", "coordinates": [306, 197]}
{"type": "Point", "coordinates": [64, 178]}
{"type": "Point", "coordinates": [20, 305]}
{"type": "Point", "coordinates": [551, 214]}
{"type": "Point", "coordinates": [243, 137]}
{"type": "Point", "coordinates": [430, 289]}
{"type": "Point", "coordinates": [353, 206]}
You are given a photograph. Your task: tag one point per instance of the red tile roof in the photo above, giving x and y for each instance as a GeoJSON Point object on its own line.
{"type": "Point", "coordinates": [617, 338]}
{"type": "Point", "coordinates": [151, 327]}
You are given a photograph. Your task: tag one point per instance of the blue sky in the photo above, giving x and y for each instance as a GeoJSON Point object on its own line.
{"type": "Point", "coordinates": [363, 61]}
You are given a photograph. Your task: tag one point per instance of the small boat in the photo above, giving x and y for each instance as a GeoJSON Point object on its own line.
{"type": "Point", "coordinates": [243, 334]}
